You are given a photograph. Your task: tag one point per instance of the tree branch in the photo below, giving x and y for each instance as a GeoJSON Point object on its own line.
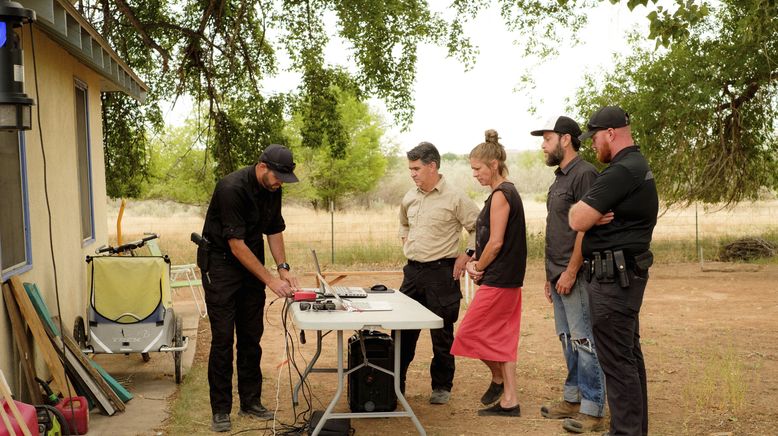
{"type": "Point", "coordinates": [746, 96]}
{"type": "Point", "coordinates": [127, 12]}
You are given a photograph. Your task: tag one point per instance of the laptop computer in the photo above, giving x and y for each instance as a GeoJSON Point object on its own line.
{"type": "Point", "coordinates": [343, 291]}
{"type": "Point", "coordinates": [353, 306]}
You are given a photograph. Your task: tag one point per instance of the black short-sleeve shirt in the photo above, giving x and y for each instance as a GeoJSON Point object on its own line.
{"type": "Point", "coordinates": [569, 187]}
{"type": "Point", "coordinates": [241, 208]}
{"type": "Point", "coordinates": [627, 188]}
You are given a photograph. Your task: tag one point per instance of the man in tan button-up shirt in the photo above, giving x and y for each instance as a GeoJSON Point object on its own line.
{"type": "Point", "coordinates": [432, 217]}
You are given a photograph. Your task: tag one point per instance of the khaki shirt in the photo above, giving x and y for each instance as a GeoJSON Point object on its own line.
{"type": "Point", "coordinates": [431, 222]}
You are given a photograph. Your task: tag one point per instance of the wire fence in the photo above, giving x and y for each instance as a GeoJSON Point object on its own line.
{"type": "Point", "coordinates": [368, 238]}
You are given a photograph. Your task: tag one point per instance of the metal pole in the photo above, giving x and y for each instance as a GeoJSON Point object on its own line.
{"type": "Point", "coordinates": [697, 235]}
{"type": "Point", "coordinates": [332, 229]}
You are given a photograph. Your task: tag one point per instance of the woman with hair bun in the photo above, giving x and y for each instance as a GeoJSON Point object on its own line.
{"type": "Point", "coordinates": [490, 328]}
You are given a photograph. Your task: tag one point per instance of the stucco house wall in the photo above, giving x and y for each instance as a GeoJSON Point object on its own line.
{"type": "Point", "coordinates": [58, 73]}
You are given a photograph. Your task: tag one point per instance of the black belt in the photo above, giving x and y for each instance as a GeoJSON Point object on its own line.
{"type": "Point", "coordinates": [445, 261]}
{"type": "Point", "coordinates": [608, 266]}
{"type": "Point", "coordinates": [219, 254]}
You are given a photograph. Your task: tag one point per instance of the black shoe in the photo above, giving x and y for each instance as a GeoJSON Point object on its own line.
{"type": "Point", "coordinates": [492, 394]}
{"type": "Point", "coordinates": [498, 410]}
{"type": "Point", "coordinates": [221, 422]}
{"type": "Point", "coordinates": [256, 411]}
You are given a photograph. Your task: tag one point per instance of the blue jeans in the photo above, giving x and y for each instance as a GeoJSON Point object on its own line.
{"type": "Point", "coordinates": [585, 381]}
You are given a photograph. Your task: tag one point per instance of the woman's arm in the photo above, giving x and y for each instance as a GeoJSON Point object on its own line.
{"type": "Point", "coordinates": [498, 221]}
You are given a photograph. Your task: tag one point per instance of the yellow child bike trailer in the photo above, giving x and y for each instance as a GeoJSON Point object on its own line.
{"type": "Point", "coordinates": [130, 305]}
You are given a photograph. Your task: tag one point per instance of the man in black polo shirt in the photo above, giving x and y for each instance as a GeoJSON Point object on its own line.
{"type": "Point", "coordinates": [583, 401]}
{"type": "Point", "coordinates": [619, 254]}
{"type": "Point", "coordinates": [245, 205]}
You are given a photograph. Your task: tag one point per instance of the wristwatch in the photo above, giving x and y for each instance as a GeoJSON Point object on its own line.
{"type": "Point", "coordinates": [283, 265]}
{"type": "Point", "coordinates": [470, 252]}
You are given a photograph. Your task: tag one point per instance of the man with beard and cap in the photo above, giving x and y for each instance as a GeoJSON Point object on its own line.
{"type": "Point", "coordinates": [584, 388]}
{"type": "Point", "coordinates": [245, 205]}
{"type": "Point", "coordinates": [620, 254]}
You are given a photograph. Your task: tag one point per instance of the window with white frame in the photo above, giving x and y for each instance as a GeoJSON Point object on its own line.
{"type": "Point", "coordinates": [14, 223]}
{"type": "Point", "coordinates": [84, 164]}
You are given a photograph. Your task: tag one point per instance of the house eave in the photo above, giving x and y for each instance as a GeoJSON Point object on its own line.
{"type": "Point", "coordinates": [65, 25]}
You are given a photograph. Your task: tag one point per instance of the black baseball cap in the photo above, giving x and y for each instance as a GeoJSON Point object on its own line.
{"type": "Point", "coordinates": [279, 159]}
{"type": "Point", "coordinates": [562, 125]}
{"type": "Point", "coordinates": [608, 117]}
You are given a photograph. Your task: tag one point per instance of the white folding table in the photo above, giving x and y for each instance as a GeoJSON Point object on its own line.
{"type": "Point", "coordinates": [406, 314]}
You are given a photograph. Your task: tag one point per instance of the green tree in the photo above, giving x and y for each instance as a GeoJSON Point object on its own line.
{"type": "Point", "coordinates": [125, 143]}
{"type": "Point", "coordinates": [704, 110]}
{"type": "Point", "coordinates": [179, 168]}
{"type": "Point", "coordinates": [334, 171]}
{"type": "Point", "coordinates": [220, 52]}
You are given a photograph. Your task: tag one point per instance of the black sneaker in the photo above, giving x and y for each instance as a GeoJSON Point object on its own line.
{"type": "Point", "coordinates": [221, 422]}
{"type": "Point", "coordinates": [256, 411]}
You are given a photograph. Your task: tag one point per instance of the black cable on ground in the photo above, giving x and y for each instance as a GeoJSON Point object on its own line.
{"type": "Point", "coordinates": [294, 428]}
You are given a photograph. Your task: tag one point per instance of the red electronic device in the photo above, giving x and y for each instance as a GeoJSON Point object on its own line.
{"type": "Point", "coordinates": [305, 296]}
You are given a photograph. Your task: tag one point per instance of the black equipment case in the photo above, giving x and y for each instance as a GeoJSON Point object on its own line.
{"type": "Point", "coordinates": [370, 390]}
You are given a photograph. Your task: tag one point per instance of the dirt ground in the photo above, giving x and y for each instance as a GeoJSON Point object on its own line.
{"type": "Point", "coordinates": [708, 339]}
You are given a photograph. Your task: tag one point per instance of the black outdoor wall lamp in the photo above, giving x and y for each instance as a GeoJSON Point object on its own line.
{"type": "Point", "coordinates": [15, 106]}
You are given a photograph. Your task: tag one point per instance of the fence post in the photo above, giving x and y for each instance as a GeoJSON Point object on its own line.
{"type": "Point", "coordinates": [697, 234]}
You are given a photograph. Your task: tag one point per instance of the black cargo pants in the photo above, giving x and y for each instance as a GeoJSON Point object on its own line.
{"type": "Point", "coordinates": [236, 301]}
{"type": "Point", "coordinates": [616, 327]}
{"type": "Point", "coordinates": [432, 284]}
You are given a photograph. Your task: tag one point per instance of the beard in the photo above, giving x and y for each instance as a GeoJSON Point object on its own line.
{"type": "Point", "coordinates": [267, 183]}
{"type": "Point", "coordinates": [555, 157]}
{"type": "Point", "coordinates": [604, 153]}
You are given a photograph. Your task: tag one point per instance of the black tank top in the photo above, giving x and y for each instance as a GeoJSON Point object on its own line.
{"type": "Point", "coordinates": [508, 268]}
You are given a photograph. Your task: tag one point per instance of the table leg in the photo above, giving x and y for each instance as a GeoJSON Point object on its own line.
{"type": "Point", "coordinates": [308, 369]}
{"type": "Point", "coordinates": [338, 392]}
{"type": "Point", "coordinates": [397, 391]}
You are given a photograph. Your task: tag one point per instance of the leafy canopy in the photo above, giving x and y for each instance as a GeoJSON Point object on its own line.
{"type": "Point", "coordinates": [704, 101]}
{"type": "Point", "coordinates": [704, 110]}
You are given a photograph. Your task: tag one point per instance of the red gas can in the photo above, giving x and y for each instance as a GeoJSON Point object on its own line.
{"type": "Point", "coordinates": [28, 414]}
{"type": "Point", "coordinates": [76, 412]}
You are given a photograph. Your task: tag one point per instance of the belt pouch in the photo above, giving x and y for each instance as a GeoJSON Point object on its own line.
{"type": "Point", "coordinates": [643, 262]}
{"type": "Point", "coordinates": [607, 265]}
{"type": "Point", "coordinates": [587, 270]}
{"type": "Point", "coordinates": [621, 268]}
{"type": "Point", "coordinates": [598, 272]}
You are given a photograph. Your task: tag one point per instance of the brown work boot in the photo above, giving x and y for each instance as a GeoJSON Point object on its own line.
{"type": "Point", "coordinates": [560, 409]}
{"type": "Point", "coordinates": [583, 423]}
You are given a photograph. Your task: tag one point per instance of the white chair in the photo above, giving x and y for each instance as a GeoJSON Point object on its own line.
{"type": "Point", "coordinates": [182, 276]}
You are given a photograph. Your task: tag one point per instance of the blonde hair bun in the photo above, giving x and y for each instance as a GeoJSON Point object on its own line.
{"type": "Point", "coordinates": [491, 136]}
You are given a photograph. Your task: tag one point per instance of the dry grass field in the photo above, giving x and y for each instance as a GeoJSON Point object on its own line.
{"type": "Point", "coordinates": [367, 239]}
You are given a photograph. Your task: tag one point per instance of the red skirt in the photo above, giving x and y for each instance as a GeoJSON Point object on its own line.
{"type": "Point", "coordinates": [490, 329]}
